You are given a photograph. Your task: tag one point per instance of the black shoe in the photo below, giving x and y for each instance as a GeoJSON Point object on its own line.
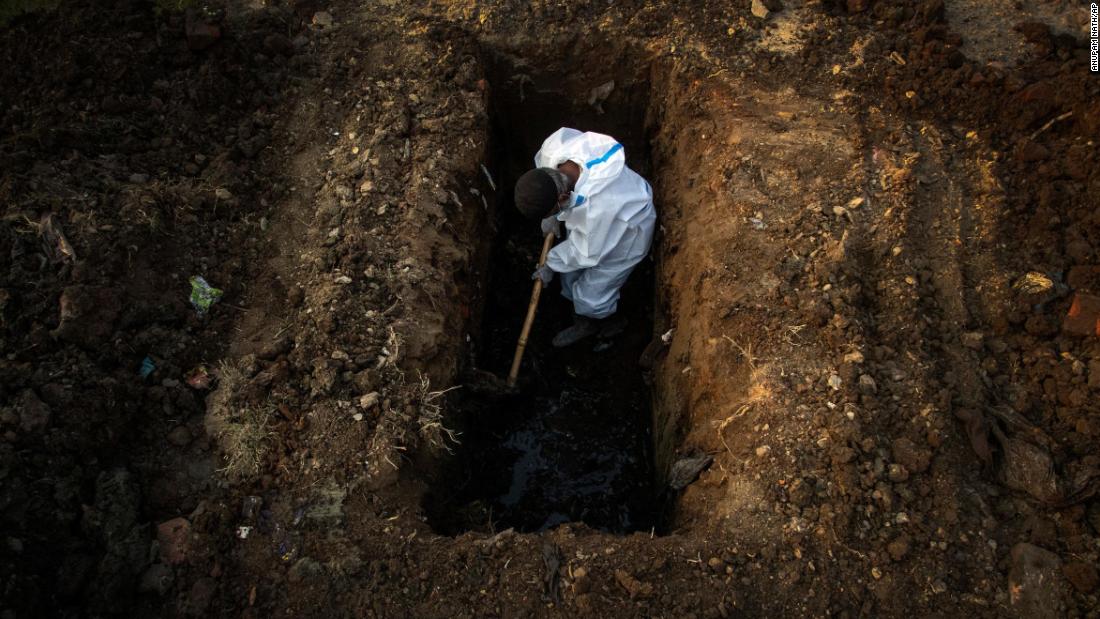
{"type": "Point", "coordinates": [612, 326]}
{"type": "Point", "coordinates": [582, 328]}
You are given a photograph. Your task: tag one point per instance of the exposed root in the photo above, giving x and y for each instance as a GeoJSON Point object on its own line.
{"type": "Point", "coordinates": [430, 421]}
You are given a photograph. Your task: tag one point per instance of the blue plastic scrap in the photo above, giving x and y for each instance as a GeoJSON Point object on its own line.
{"type": "Point", "coordinates": [147, 367]}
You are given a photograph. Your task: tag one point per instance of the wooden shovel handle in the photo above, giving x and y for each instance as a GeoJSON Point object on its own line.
{"type": "Point", "coordinates": [532, 307]}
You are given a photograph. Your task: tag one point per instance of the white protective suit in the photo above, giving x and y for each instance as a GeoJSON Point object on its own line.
{"type": "Point", "coordinates": [610, 220]}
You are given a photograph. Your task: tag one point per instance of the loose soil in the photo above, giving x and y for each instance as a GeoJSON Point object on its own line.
{"type": "Point", "coordinates": [874, 217]}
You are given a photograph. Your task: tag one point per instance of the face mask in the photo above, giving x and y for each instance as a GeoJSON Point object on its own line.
{"type": "Point", "coordinates": [562, 183]}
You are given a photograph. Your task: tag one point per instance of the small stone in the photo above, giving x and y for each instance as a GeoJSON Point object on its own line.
{"type": "Point", "coordinates": [876, 573]}
{"type": "Point", "coordinates": [1081, 575]}
{"type": "Point", "coordinates": [279, 44]}
{"type": "Point", "coordinates": [853, 357]}
{"type": "Point", "coordinates": [174, 536]}
{"type": "Point", "coordinates": [305, 568]}
{"type": "Point", "coordinates": [1083, 317]}
{"type": "Point", "coordinates": [223, 194]}
{"type": "Point", "coordinates": [763, 451]}
{"type": "Point", "coordinates": [200, 596]}
{"type": "Point", "coordinates": [685, 470]}
{"type": "Point", "coordinates": [273, 348]}
{"type": "Point", "coordinates": [897, 473]}
{"type": "Point", "coordinates": [972, 340]}
{"type": "Point", "coordinates": [295, 296]}
{"type": "Point", "coordinates": [759, 9]}
{"type": "Point", "coordinates": [180, 436]}
{"type": "Point", "coordinates": [34, 414]}
{"type": "Point", "coordinates": [157, 579]}
{"type": "Point", "coordinates": [369, 400]}
{"type": "Point", "coordinates": [322, 19]}
{"type": "Point", "coordinates": [835, 382]}
{"type": "Point", "coordinates": [901, 518]}
{"type": "Point", "coordinates": [715, 564]}
{"type": "Point", "coordinates": [633, 586]}
{"type": "Point", "coordinates": [867, 384]}
{"type": "Point", "coordinates": [1084, 277]}
{"type": "Point", "coordinates": [1035, 584]}
{"type": "Point", "coordinates": [1030, 152]}
{"type": "Point", "coordinates": [800, 492]}
{"type": "Point", "coordinates": [910, 456]}
{"type": "Point", "coordinates": [1094, 374]}
{"type": "Point", "coordinates": [357, 416]}
{"type": "Point", "coordinates": [365, 380]}
{"type": "Point", "coordinates": [898, 548]}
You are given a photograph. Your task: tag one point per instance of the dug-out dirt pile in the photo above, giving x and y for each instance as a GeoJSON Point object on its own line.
{"type": "Point", "coordinates": [848, 386]}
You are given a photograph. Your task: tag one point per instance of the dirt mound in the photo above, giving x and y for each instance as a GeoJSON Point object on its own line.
{"type": "Point", "coordinates": [870, 362]}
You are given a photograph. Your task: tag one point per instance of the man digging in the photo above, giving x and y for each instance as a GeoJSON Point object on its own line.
{"type": "Point", "coordinates": [581, 180]}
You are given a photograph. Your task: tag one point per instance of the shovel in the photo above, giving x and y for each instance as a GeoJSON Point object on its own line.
{"type": "Point", "coordinates": [532, 307]}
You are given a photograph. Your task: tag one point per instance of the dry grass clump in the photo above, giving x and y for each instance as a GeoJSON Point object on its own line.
{"type": "Point", "coordinates": [240, 429]}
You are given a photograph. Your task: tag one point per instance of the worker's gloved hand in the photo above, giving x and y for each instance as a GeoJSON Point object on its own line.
{"type": "Point", "coordinates": [544, 273]}
{"type": "Point", "coordinates": [550, 224]}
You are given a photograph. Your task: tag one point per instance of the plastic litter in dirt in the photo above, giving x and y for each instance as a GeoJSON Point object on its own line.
{"type": "Point", "coordinates": [147, 367]}
{"type": "Point", "coordinates": [199, 378]}
{"type": "Point", "coordinates": [203, 295]}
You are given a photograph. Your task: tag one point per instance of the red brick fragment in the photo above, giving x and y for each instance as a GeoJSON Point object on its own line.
{"type": "Point", "coordinates": [1083, 317]}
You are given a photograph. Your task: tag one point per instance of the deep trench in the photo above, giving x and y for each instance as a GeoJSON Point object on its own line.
{"type": "Point", "coordinates": [575, 443]}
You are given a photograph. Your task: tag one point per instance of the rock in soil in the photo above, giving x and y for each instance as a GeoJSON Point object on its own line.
{"type": "Point", "coordinates": [1083, 317]}
{"type": "Point", "coordinates": [34, 414]}
{"type": "Point", "coordinates": [685, 470]}
{"type": "Point", "coordinates": [1035, 583]}
{"type": "Point", "coordinates": [1082, 576]}
{"type": "Point", "coordinates": [157, 579]}
{"type": "Point", "coordinates": [907, 454]}
{"type": "Point", "coordinates": [174, 538]}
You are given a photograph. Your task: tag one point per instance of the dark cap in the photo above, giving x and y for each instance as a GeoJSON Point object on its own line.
{"type": "Point", "coordinates": [536, 194]}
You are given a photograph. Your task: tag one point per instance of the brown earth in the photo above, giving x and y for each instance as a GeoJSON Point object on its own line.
{"type": "Point", "coordinates": [874, 218]}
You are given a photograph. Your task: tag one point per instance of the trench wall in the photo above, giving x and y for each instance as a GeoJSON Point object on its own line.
{"type": "Point", "coordinates": [644, 94]}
